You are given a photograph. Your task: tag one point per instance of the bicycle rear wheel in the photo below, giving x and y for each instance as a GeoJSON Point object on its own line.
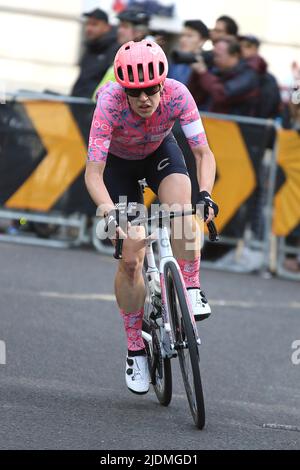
{"type": "Point", "coordinates": [185, 343]}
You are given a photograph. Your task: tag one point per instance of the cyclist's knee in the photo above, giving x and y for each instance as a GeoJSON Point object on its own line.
{"type": "Point", "coordinates": [132, 261]}
{"type": "Point", "coordinates": [131, 267]}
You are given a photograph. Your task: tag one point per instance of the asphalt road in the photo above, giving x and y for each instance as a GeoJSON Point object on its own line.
{"type": "Point", "coordinates": [63, 383]}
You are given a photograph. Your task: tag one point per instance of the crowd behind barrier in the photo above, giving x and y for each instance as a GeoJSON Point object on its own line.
{"type": "Point", "coordinates": [42, 160]}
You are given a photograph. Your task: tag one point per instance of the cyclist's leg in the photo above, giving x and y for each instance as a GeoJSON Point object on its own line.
{"type": "Point", "coordinates": [168, 177]}
{"type": "Point", "coordinates": [121, 179]}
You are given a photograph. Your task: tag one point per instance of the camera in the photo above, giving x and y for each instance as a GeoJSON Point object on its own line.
{"type": "Point", "coordinates": [180, 57]}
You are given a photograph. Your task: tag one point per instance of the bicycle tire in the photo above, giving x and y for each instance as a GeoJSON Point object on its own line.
{"type": "Point", "coordinates": [160, 369]}
{"type": "Point", "coordinates": [183, 331]}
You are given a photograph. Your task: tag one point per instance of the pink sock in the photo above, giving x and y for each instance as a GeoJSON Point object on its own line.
{"type": "Point", "coordinates": [190, 272]}
{"type": "Point", "coordinates": [133, 322]}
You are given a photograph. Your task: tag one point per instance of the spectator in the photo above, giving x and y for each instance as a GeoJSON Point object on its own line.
{"type": "Point", "coordinates": [225, 28]}
{"type": "Point", "coordinates": [163, 38]}
{"type": "Point", "coordinates": [231, 87]}
{"type": "Point", "coordinates": [133, 26]}
{"type": "Point", "coordinates": [269, 102]}
{"type": "Point", "coordinates": [100, 48]}
{"type": "Point", "coordinates": [192, 39]}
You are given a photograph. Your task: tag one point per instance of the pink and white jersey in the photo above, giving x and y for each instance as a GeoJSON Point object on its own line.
{"type": "Point", "coordinates": [117, 129]}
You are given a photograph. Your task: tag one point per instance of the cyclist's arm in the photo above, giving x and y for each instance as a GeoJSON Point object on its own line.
{"type": "Point", "coordinates": [99, 142]}
{"type": "Point", "coordinates": [96, 187]}
{"type": "Point", "coordinates": [194, 132]}
{"type": "Point", "coordinates": [206, 167]}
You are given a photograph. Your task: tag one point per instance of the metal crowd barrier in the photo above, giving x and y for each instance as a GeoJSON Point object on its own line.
{"type": "Point", "coordinates": [76, 221]}
{"type": "Point", "coordinates": [283, 251]}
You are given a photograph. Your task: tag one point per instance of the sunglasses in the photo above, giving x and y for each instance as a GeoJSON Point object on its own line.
{"type": "Point", "coordinates": [135, 92]}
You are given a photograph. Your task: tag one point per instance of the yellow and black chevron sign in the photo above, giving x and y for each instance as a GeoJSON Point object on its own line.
{"type": "Point", "coordinates": [287, 199]}
{"type": "Point", "coordinates": [236, 175]}
{"type": "Point", "coordinates": [63, 162]}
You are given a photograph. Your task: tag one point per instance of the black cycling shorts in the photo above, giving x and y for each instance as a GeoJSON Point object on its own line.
{"type": "Point", "coordinates": [121, 176]}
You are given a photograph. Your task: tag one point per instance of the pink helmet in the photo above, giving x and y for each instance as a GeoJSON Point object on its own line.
{"type": "Point", "coordinates": [140, 64]}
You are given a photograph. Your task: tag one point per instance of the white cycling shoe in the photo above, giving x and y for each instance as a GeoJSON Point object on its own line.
{"type": "Point", "coordinates": [200, 305]}
{"type": "Point", "coordinates": [137, 374]}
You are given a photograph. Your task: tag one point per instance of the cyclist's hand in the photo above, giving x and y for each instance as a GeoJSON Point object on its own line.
{"type": "Point", "coordinates": [211, 209]}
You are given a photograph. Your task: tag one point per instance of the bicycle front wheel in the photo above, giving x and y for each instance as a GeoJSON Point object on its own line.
{"type": "Point", "coordinates": [185, 343]}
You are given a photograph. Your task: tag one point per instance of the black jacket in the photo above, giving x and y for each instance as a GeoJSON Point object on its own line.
{"type": "Point", "coordinates": [269, 100]}
{"type": "Point", "coordinates": [96, 59]}
{"type": "Point", "coordinates": [235, 91]}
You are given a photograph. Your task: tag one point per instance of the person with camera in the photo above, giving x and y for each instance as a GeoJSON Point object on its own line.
{"type": "Point", "coordinates": [230, 87]}
{"type": "Point", "coordinates": [192, 39]}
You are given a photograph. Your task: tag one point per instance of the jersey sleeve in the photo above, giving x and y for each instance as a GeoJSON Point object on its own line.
{"type": "Point", "coordinates": [189, 117]}
{"type": "Point", "coordinates": [102, 126]}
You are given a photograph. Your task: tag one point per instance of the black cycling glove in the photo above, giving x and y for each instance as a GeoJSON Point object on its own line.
{"type": "Point", "coordinates": [205, 199]}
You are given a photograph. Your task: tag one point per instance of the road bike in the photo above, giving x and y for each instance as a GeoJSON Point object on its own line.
{"type": "Point", "coordinates": [169, 327]}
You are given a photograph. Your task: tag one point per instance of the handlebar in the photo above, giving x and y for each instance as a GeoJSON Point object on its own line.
{"type": "Point", "coordinates": [212, 229]}
{"type": "Point", "coordinates": [212, 232]}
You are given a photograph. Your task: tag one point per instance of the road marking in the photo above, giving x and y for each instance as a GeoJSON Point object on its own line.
{"type": "Point", "coordinates": [2, 352]}
{"type": "Point", "coordinates": [295, 305]}
{"type": "Point", "coordinates": [284, 427]}
{"type": "Point", "coordinates": [216, 303]}
{"type": "Point", "coordinates": [242, 304]}
{"type": "Point", "coordinates": [59, 295]}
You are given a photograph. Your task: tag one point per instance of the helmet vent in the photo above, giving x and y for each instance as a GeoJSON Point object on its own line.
{"type": "Point", "coordinates": [120, 73]}
{"type": "Point", "coordinates": [161, 68]}
{"type": "Point", "coordinates": [140, 72]}
{"type": "Point", "coordinates": [149, 45]}
{"type": "Point", "coordinates": [127, 48]}
{"type": "Point", "coordinates": [130, 73]}
{"type": "Point", "coordinates": [151, 70]}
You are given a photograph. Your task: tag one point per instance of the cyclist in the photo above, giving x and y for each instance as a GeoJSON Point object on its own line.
{"type": "Point", "coordinates": [131, 139]}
